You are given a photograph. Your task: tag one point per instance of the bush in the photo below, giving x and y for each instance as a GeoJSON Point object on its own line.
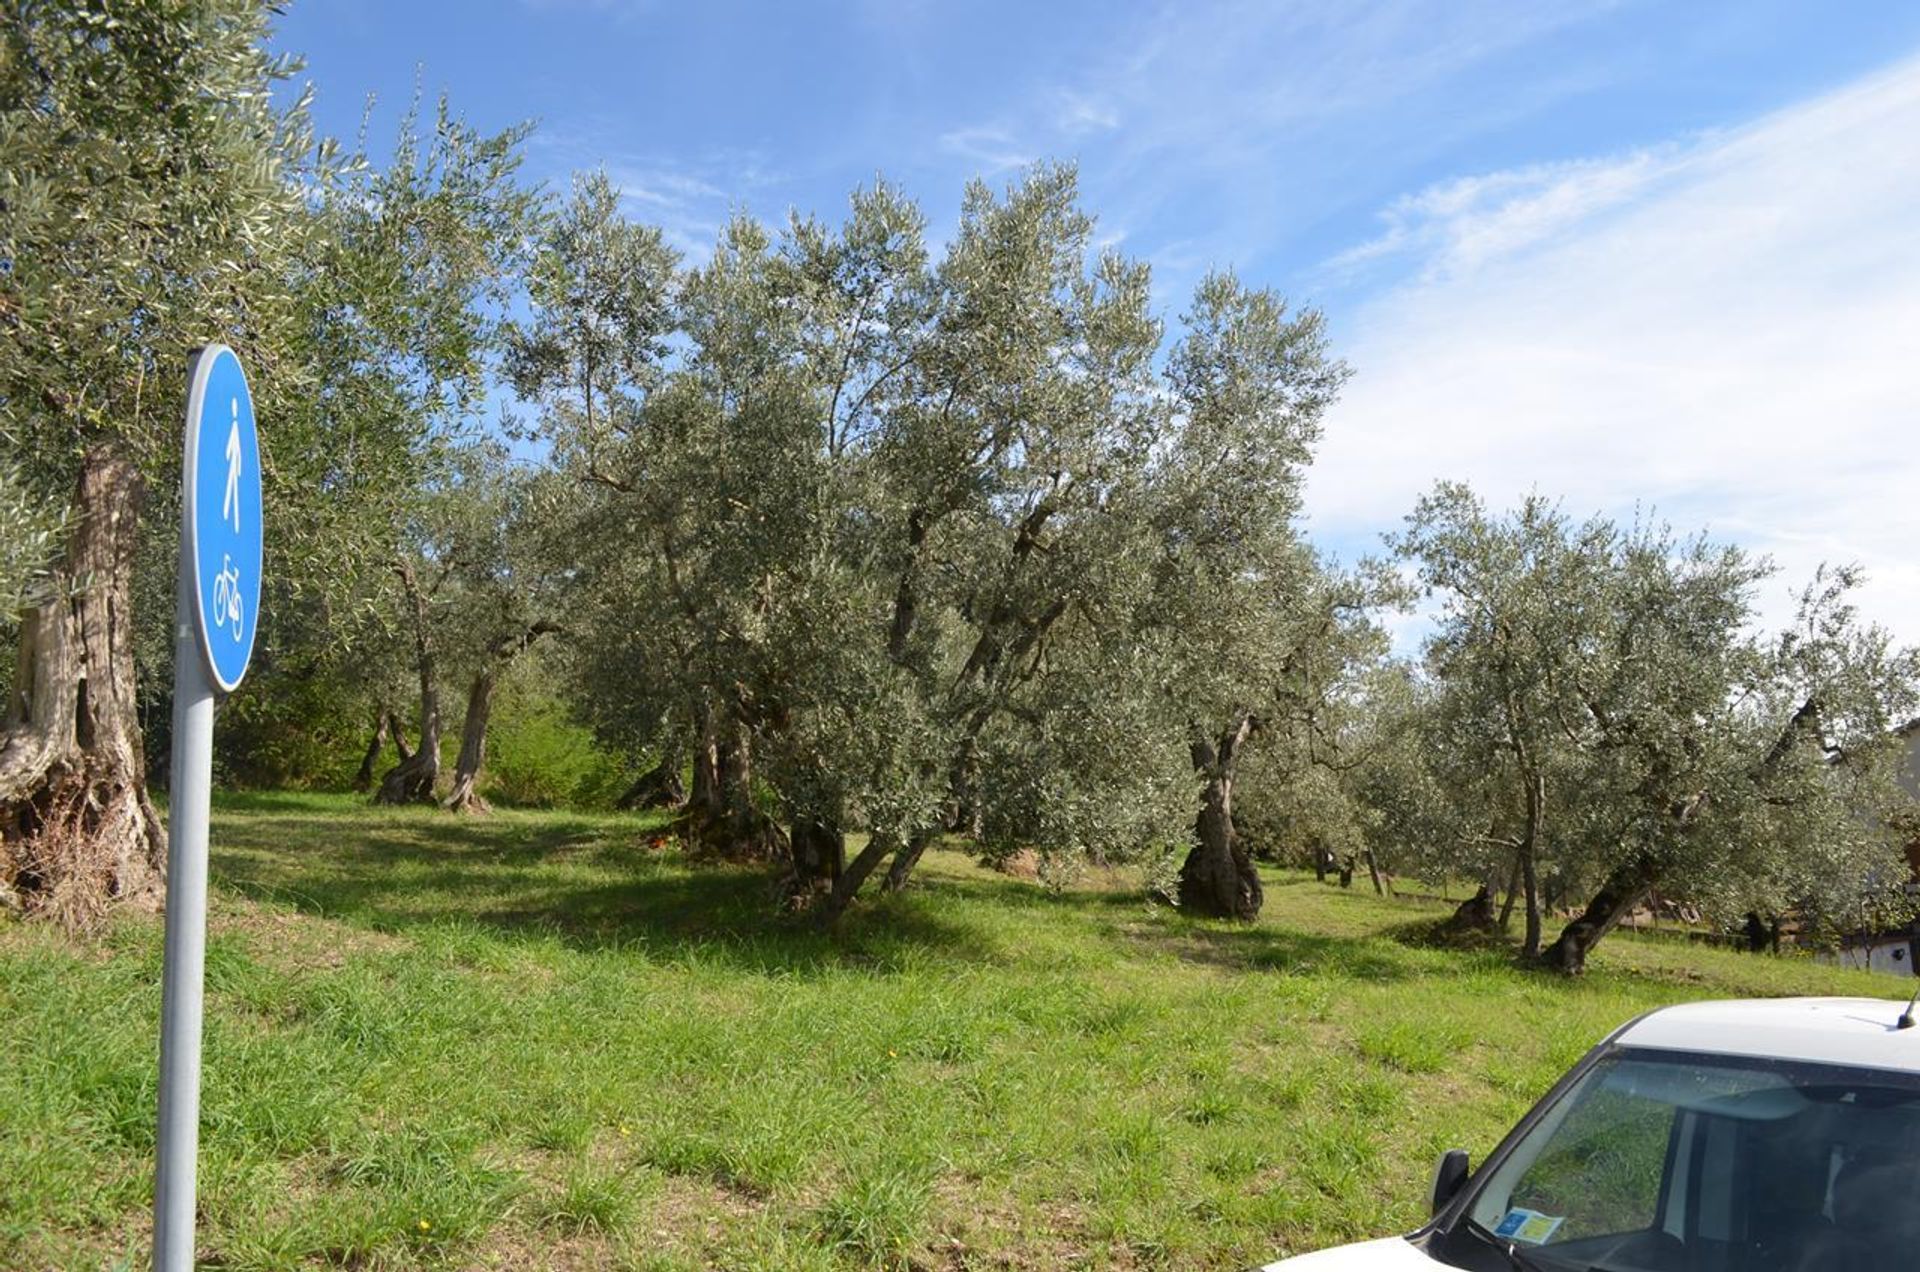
{"type": "Point", "coordinates": [281, 731]}
{"type": "Point", "coordinates": [538, 756]}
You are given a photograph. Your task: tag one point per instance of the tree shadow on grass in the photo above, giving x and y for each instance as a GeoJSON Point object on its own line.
{"type": "Point", "coordinates": [589, 883]}
{"type": "Point", "coordinates": [1267, 947]}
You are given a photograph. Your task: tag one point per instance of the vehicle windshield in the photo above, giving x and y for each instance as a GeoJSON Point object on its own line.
{"type": "Point", "coordinates": [1659, 1162]}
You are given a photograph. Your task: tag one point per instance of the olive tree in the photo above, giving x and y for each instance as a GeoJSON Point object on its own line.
{"type": "Point", "coordinates": [476, 589]}
{"type": "Point", "coordinates": [585, 357]}
{"type": "Point", "coordinates": [1604, 709]}
{"type": "Point", "coordinates": [1233, 582]}
{"type": "Point", "coordinates": [1748, 772]}
{"type": "Point", "coordinates": [159, 199]}
{"type": "Point", "coordinates": [149, 207]}
{"type": "Point", "coordinates": [915, 547]}
{"type": "Point", "coordinates": [1518, 611]}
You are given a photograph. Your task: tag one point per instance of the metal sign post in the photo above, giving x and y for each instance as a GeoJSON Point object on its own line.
{"type": "Point", "coordinates": [216, 611]}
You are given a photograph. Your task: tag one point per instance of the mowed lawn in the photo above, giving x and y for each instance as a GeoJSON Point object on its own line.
{"type": "Point", "coordinates": [532, 1041]}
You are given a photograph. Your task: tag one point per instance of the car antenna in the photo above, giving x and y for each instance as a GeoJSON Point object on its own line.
{"type": "Point", "coordinates": [1906, 1020]}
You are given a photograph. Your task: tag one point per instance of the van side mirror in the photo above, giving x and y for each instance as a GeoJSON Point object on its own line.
{"type": "Point", "coordinates": [1448, 1174]}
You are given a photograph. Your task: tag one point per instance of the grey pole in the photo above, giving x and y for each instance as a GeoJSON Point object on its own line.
{"type": "Point", "coordinates": [190, 791]}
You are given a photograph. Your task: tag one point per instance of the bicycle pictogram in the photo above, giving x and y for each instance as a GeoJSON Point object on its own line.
{"type": "Point", "coordinates": [226, 596]}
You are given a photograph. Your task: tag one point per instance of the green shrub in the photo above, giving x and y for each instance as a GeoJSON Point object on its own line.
{"type": "Point", "coordinates": [538, 756]}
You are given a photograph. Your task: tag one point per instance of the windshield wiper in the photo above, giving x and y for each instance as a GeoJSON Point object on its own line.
{"type": "Point", "coordinates": [1520, 1262]}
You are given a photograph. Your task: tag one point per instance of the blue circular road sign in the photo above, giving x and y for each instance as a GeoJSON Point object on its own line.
{"type": "Point", "coordinates": [221, 485]}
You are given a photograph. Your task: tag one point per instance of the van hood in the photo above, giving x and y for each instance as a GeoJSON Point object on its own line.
{"type": "Point", "coordinates": [1392, 1254]}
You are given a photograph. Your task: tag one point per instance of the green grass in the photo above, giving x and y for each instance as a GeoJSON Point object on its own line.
{"type": "Point", "coordinates": [527, 1041]}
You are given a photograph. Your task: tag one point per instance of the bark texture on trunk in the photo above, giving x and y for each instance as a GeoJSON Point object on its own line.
{"type": "Point", "coordinates": [1513, 892]}
{"type": "Point", "coordinates": [817, 857]}
{"type": "Point", "coordinates": [1530, 887]}
{"type": "Point", "coordinates": [1218, 877]}
{"type": "Point", "coordinates": [1629, 885]}
{"type": "Point", "coordinates": [77, 829]}
{"type": "Point", "coordinates": [363, 780]}
{"type": "Point", "coordinates": [658, 787]}
{"type": "Point", "coordinates": [1472, 916]}
{"type": "Point", "coordinates": [705, 803]}
{"type": "Point", "coordinates": [963, 782]}
{"type": "Point", "coordinates": [464, 796]}
{"type": "Point", "coordinates": [903, 863]}
{"type": "Point", "coordinates": [1529, 855]}
{"type": "Point", "coordinates": [1625, 888]}
{"type": "Point", "coordinates": [412, 780]}
{"type": "Point", "coordinates": [722, 817]}
{"type": "Point", "coordinates": [862, 867]}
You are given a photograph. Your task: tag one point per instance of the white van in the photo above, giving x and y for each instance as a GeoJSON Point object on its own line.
{"type": "Point", "coordinates": [1778, 1135]}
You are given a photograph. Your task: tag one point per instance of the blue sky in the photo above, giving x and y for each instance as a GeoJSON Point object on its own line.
{"type": "Point", "coordinates": [1636, 255]}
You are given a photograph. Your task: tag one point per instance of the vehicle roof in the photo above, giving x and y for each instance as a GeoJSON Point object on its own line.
{"type": "Point", "coordinates": [1854, 1031]}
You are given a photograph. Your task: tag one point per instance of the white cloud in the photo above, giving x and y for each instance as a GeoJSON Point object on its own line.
{"type": "Point", "coordinates": [1459, 225]}
{"type": "Point", "coordinates": [688, 196]}
{"type": "Point", "coordinates": [993, 148]}
{"type": "Point", "coordinates": [1235, 123]}
{"type": "Point", "coordinates": [1080, 114]}
{"type": "Point", "coordinates": [1726, 329]}
{"type": "Point", "coordinates": [663, 188]}
{"type": "Point", "coordinates": [688, 210]}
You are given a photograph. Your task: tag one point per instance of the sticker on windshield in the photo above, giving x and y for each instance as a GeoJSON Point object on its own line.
{"type": "Point", "coordinates": [1529, 1226]}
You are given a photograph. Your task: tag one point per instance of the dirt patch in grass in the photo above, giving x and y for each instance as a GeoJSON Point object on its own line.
{"type": "Point", "coordinates": [525, 1249]}
{"type": "Point", "coordinates": [288, 940]}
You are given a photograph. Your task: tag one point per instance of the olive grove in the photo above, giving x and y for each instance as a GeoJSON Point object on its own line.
{"type": "Point", "coordinates": [844, 542]}
{"type": "Point", "coordinates": [910, 547]}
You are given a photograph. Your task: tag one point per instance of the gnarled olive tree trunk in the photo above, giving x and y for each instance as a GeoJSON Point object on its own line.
{"type": "Point", "coordinates": [77, 829]}
{"type": "Point", "coordinates": [903, 863]}
{"type": "Point", "coordinates": [386, 728]}
{"type": "Point", "coordinates": [658, 787]}
{"type": "Point", "coordinates": [1626, 887]}
{"type": "Point", "coordinates": [363, 779]}
{"type": "Point", "coordinates": [1218, 877]}
{"type": "Point", "coordinates": [965, 816]}
{"type": "Point", "coordinates": [464, 797]}
{"type": "Point", "coordinates": [1529, 857]}
{"type": "Point", "coordinates": [862, 867]}
{"type": "Point", "coordinates": [817, 856]}
{"type": "Point", "coordinates": [412, 780]}
{"type": "Point", "coordinates": [1513, 892]}
{"type": "Point", "coordinates": [1628, 884]}
{"type": "Point", "coordinates": [1474, 916]}
{"type": "Point", "coordinates": [722, 817]}
{"type": "Point", "coordinates": [705, 804]}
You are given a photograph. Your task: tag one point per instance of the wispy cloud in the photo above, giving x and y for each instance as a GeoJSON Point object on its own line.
{"type": "Point", "coordinates": [689, 209]}
{"type": "Point", "coordinates": [1079, 114]}
{"type": "Point", "coordinates": [1457, 226]}
{"type": "Point", "coordinates": [991, 147]}
{"type": "Point", "coordinates": [663, 188]}
{"type": "Point", "coordinates": [1726, 329]}
{"type": "Point", "coordinates": [689, 197]}
{"type": "Point", "coordinates": [1206, 114]}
